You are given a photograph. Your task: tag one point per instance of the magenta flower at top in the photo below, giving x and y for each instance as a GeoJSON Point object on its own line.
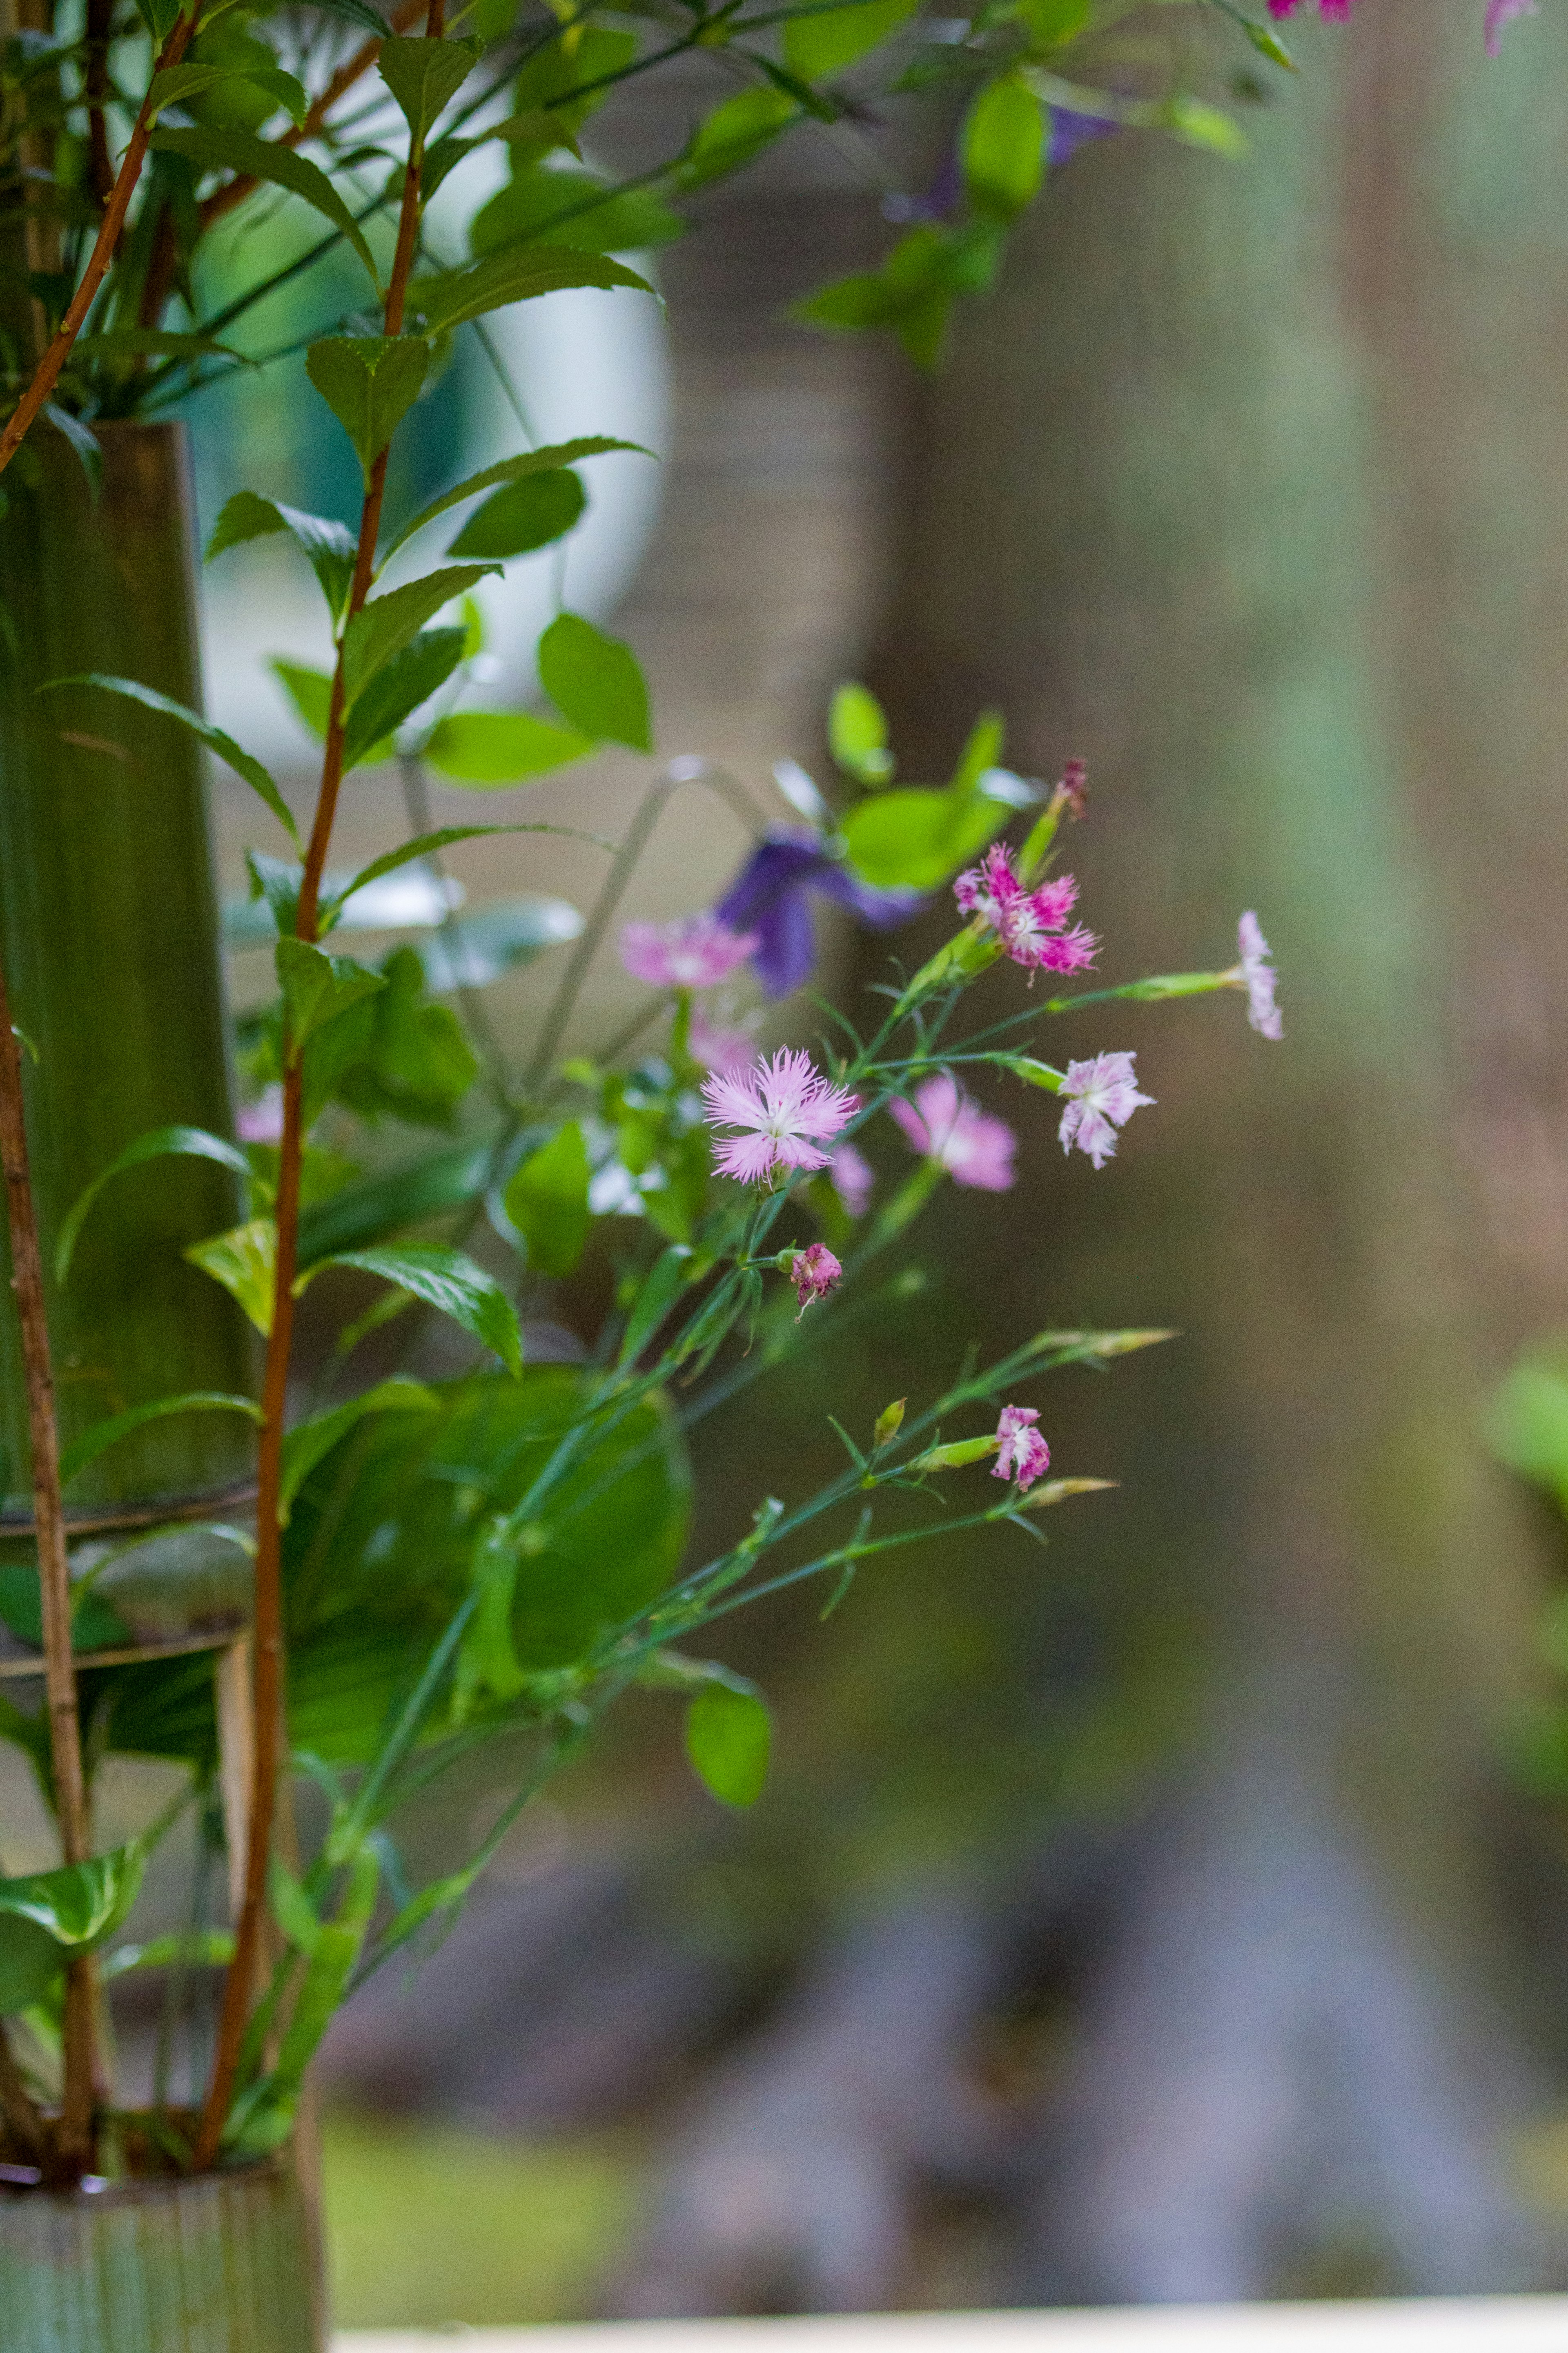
{"type": "Point", "coordinates": [852, 1178]}
{"type": "Point", "coordinates": [1029, 922]}
{"type": "Point", "coordinates": [1503, 12]}
{"type": "Point", "coordinates": [815, 1272]}
{"type": "Point", "coordinates": [1102, 1096]}
{"type": "Point", "coordinates": [789, 1110]}
{"type": "Point", "coordinates": [696, 952]}
{"type": "Point", "coordinates": [1021, 1452]}
{"type": "Point", "coordinates": [1258, 978]}
{"type": "Point", "coordinates": [945, 1126]}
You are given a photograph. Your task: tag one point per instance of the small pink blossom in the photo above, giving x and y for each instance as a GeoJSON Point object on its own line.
{"type": "Point", "coordinates": [1021, 1452]}
{"type": "Point", "coordinates": [1258, 978]}
{"type": "Point", "coordinates": [852, 1178]}
{"type": "Point", "coordinates": [1073, 789]}
{"type": "Point", "coordinates": [1029, 922]}
{"type": "Point", "coordinates": [718, 1047]}
{"type": "Point", "coordinates": [815, 1272]}
{"type": "Point", "coordinates": [696, 952]}
{"type": "Point", "coordinates": [262, 1121]}
{"type": "Point", "coordinates": [1500, 13]}
{"type": "Point", "coordinates": [1102, 1096]}
{"type": "Point", "coordinates": [789, 1108]}
{"type": "Point", "coordinates": [945, 1126]}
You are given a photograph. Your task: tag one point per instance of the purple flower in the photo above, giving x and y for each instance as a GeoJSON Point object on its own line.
{"type": "Point", "coordinates": [1102, 1096]}
{"type": "Point", "coordinates": [851, 1177]}
{"type": "Point", "coordinates": [813, 1273]}
{"type": "Point", "coordinates": [1503, 12]}
{"type": "Point", "coordinates": [790, 1110]}
{"type": "Point", "coordinates": [771, 895]}
{"type": "Point", "coordinates": [1258, 978]}
{"type": "Point", "coordinates": [1021, 1452]}
{"type": "Point", "coordinates": [1070, 131]}
{"type": "Point", "coordinates": [945, 1126]}
{"type": "Point", "coordinates": [696, 952]}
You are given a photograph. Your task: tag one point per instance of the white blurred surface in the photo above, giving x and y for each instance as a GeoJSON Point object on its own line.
{"type": "Point", "coordinates": [1522, 2323]}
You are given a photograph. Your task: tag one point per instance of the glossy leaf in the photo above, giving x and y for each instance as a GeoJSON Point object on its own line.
{"type": "Point", "coordinates": [189, 1143]}
{"type": "Point", "coordinates": [523, 515]}
{"type": "Point", "coordinates": [829, 40]}
{"type": "Point", "coordinates": [547, 1201]}
{"type": "Point", "coordinates": [310, 1441]}
{"type": "Point", "coordinates": [491, 748]}
{"type": "Point", "coordinates": [213, 147]}
{"type": "Point", "coordinates": [513, 469]}
{"type": "Point", "coordinates": [729, 1738]}
{"type": "Point", "coordinates": [1004, 146]}
{"type": "Point", "coordinates": [48, 1917]}
{"type": "Point", "coordinates": [388, 623]}
{"type": "Point", "coordinates": [595, 681]}
{"type": "Point", "coordinates": [857, 734]}
{"type": "Point", "coordinates": [424, 76]}
{"type": "Point", "coordinates": [448, 1280]}
{"type": "Point", "coordinates": [329, 546]}
{"type": "Point", "coordinates": [369, 383]}
{"type": "Point", "coordinates": [397, 689]}
{"type": "Point", "coordinates": [240, 761]}
{"type": "Point", "coordinates": [516, 274]}
{"type": "Point", "coordinates": [245, 1261]}
{"type": "Point", "coordinates": [95, 1441]}
{"type": "Point", "coordinates": [318, 987]}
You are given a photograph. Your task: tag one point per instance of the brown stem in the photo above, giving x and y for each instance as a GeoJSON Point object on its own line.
{"type": "Point", "coordinates": [268, 1611]}
{"type": "Point", "coordinates": [82, 302]}
{"type": "Point", "coordinates": [53, 1575]}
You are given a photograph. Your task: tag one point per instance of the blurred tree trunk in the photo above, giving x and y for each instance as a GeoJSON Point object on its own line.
{"type": "Point", "coordinates": [1250, 487]}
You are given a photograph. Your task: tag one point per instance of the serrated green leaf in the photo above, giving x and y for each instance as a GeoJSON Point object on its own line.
{"type": "Point", "coordinates": [424, 76]}
{"type": "Point", "coordinates": [188, 1143]}
{"type": "Point", "coordinates": [245, 1261]}
{"type": "Point", "coordinates": [369, 383]}
{"type": "Point", "coordinates": [310, 1441]}
{"type": "Point", "coordinates": [547, 1201]}
{"type": "Point", "coordinates": [318, 987]}
{"type": "Point", "coordinates": [729, 1738]}
{"type": "Point", "coordinates": [97, 1441]}
{"type": "Point", "coordinates": [240, 761]}
{"type": "Point", "coordinates": [523, 515]}
{"type": "Point", "coordinates": [398, 688]}
{"type": "Point", "coordinates": [857, 734]}
{"type": "Point", "coordinates": [381, 630]}
{"type": "Point", "coordinates": [487, 749]}
{"type": "Point", "coordinates": [595, 681]}
{"type": "Point", "coordinates": [446, 1280]}
{"type": "Point", "coordinates": [217, 148]}
{"type": "Point", "coordinates": [1003, 148]}
{"type": "Point", "coordinates": [513, 469]}
{"type": "Point", "coordinates": [328, 546]}
{"type": "Point", "coordinates": [516, 274]}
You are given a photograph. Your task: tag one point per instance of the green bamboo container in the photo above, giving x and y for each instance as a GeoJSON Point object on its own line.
{"type": "Point", "coordinates": [110, 926]}
{"type": "Point", "coordinates": [223, 2263]}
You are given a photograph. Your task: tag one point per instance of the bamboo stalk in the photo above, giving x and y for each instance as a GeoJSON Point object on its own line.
{"type": "Point", "coordinates": [75, 2134]}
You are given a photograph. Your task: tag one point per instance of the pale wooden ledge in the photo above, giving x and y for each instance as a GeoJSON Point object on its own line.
{"type": "Point", "coordinates": [1515, 2323]}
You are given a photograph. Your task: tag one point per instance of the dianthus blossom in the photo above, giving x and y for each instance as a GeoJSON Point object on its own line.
{"type": "Point", "coordinates": [1029, 923]}
{"type": "Point", "coordinates": [1021, 1452]}
{"type": "Point", "coordinates": [815, 1272]}
{"type": "Point", "coordinates": [696, 952]}
{"type": "Point", "coordinates": [852, 1177]}
{"type": "Point", "coordinates": [1259, 978]}
{"type": "Point", "coordinates": [1102, 1096]}
{"type": "Point", "coordinates": [788, 1109]}
{"type": "Point", "coordinates": [944, 1125]}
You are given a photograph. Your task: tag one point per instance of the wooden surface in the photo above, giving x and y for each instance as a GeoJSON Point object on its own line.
{"type": "Point", "coordinates": [1522, 2323]}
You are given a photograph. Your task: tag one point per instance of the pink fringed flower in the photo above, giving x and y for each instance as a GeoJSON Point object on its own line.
{"type": "Point", "coordinates": [1258, 978]}
{"type": "Point", "coordinates": [721, 1048]}
{"type": "Point", "coordinates": [945, 1126]}
{"type": "Point", "coordinates": [852, 1178]}
{"type": "Point", "coordinates": [815, 1272]}
{"type": "Point", "coordinates": [697, 953]}
{"type": "Point", "coordinates": [789, 1110]}
{"type": "Point", "coordinates": [1503, 12]}
{"type": "Point", "coordinates": [1029, 922]}
{"type": "Point", "coordinates": [1021, 1452]}
{"type": "Point", "coordinates": [1102, 1096]}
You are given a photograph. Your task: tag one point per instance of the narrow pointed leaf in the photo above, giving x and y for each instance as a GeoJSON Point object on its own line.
{"type": "Point", "coordinates": [240, 761]}
{"type": "Point", "coordinates": [547, 1201]}
{"type": "Point", "coordinates": [328, 546]}
{"type": "Point", "coordinates": [412, 676]}
{"type": "Point", "coordinates": [245, 1261]}
{"type": "Point", "coordinates": [448, 1280]}
{"type": "Point", "coordinates": [453, 296]}
{"type": "Point", "coordinates": [424, 76]}
{"type": "Point", "coordinates": [218, 148]}
{"type": "Point", "coordinates": [369, 383]}
{"type": "Point", "coordinates": [317, 987]}
{"type": "Point", "coordinates": [105, 1434]}
{"type": "Point", "coordinates": [190, 1143]}
{"type": "Point", "coordinates": [383, 627]}
{"type": "Point", "coordinates": [513, 469]}
{"type": "Point", "coordinates": [310, 1441]}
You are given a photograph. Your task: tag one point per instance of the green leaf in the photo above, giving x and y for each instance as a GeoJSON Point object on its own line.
{"type": "Point", "coordinates": [547, 1201]}
{"type": "Point", "coordinates": [1052, 23]}
{"type": "Point", "coordinates": [521, 516]}
{"type": "Point", "coordinates": [659, 1290]}
{"type": "Point", "coordinates": [858, 736]}
{"type": "Point", "coordinates": [241, 761]}
{"type": "Point", "coordinates": [513, 469]}
{"type": "Point", "coordinates": [736, 130]}
{"type": "Point", "coordinates": [729, 1735]}
{"type": "Point", "coordinates": [310, 691]}
{"type": "Point", "coordinates": [245, 1261]}
{"type": "Point", "coordinates": [827, 41]}
{"type": "Point", "coordinates": [191, 1143]}
{"type": "Point", "coordinates": [318, 987]}
{"type": "Point", "coordinates": [379, 1205]}
{"type": "Point", "coordinates": [918, 838]}
{"type": "Point", "coordinates": [356, 12]}
{"type": "Point", "coordinates": [422, 846]}
{"type": "Point", "coordinates": [218, 148]}
{"type": "Point", "coordinates": [1197, 124]}
{"type": "Point", "coordinates": [516, 274]}
{"type": "Point", "coordinates": [369, 383]}
{"type": "Point", "coordinates": [197, 1948]}
{"type": "Point", "coordinates": [424, 76]}
{"type": "Point", "coordinates": [95, 1441]}
{"type": "Point", "coordinates": [397, 689]}
{"type": "Point", "coordinates": [446, 1280]}
{"type": "Point", "coordinates": [176, 84]}
{"type": "Point", "coordinates": [47, 1917]}
{"type": "Point", "coordinates": [1003, 145]}
{"type": "Point", "coordinates": [383, 627]}
{"type": "Point", "coordinates": [595, 681]}
{"type": "Point", "coordinates": [572, 207]}
{"type": "Point", "coordinates": [1528, 1424]}
{"type": "Point", "coordinates": [490, 748]}
{"type": "Point", "coordinates": [329, 546]}
{"type": "Point", "coordinates": [160, 16]}
{"type": "Point", "coordinates": [309, 1442]}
